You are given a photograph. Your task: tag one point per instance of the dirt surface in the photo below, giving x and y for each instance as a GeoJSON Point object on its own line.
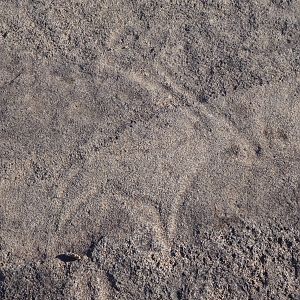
{"type": "Point", "coordinates": [149, 149]}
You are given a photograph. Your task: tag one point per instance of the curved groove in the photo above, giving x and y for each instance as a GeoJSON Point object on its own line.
{"type": "Point", "coordinates": [184, 98]}
{"type": "Point", "coordinates": [173, 217]}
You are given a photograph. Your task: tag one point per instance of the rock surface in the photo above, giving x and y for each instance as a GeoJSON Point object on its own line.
{"type": "Point", "coordinates": [149, 149]}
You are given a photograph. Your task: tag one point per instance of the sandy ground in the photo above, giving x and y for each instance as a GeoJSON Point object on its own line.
{"type": "Point", "coordinates": [149, 149]}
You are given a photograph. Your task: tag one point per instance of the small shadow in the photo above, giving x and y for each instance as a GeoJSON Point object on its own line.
{"type": "Point", "coordinates": [2, 277]}
{"type": "Point", "coordinates": [112, 280]}
{"type": "Point", "coordinates": [90, 250]}
{"type": "Point", "coordinates": [258, 150]}
{"type": "Point", "coordinates": [67, 257]}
